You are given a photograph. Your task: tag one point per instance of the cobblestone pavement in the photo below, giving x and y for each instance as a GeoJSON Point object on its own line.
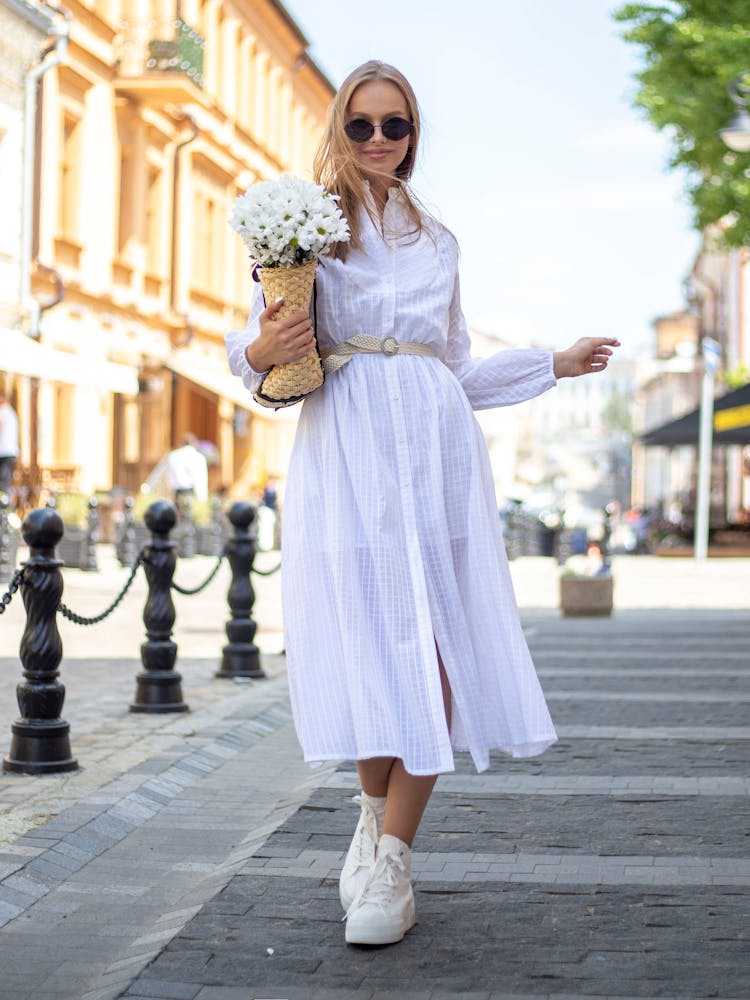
{"type": "Point", "coordinates": [195, 856]}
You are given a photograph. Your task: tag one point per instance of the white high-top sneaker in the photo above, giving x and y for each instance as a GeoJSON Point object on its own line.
{"type": "Point", "coordinates": [361, 854]}
{"type": "Point", "coordinates": [384, 911]}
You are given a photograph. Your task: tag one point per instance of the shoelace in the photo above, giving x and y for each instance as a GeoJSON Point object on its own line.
{"type": "Point", "coordinates": [380, 885]}
{"type": "Point", "coordinates": [368, 825]}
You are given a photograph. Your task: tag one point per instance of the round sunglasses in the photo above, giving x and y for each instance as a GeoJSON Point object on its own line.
{"type": "Point", "coordinates": [360, 130]}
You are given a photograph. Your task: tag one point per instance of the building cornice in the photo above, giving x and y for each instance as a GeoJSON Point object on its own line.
{"type": "Point", "coordinates": [38, 15]}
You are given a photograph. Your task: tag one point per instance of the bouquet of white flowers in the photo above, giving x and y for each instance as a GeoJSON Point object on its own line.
{"type": "Point", "coordinates": [287, 224]}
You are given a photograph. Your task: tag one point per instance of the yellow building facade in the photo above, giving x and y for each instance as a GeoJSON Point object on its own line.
{"type": "Point", "coordinates": [162, 112]}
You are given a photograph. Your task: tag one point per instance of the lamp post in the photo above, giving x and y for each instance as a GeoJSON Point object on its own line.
{"type": "Point", "coordinates": [711, 355]}
{"type": "Point", "coordinates": [736, 133]}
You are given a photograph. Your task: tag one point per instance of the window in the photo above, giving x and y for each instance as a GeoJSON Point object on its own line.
{"type": "Point", "coordinates": [154, 222]}
{"type": "Point", "coordinates": [70, 158]}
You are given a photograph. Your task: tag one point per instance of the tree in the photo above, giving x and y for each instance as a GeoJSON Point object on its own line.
{"type": "Point", "coordinates": [692, 50]}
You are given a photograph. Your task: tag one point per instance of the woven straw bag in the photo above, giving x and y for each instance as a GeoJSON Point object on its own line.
{"type": "Point", "coordinates": [287, 384]}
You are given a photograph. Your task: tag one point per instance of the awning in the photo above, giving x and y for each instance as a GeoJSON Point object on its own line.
{"type": "Point", "coordinates": [731, 423]}
{"type": "Point", "coordinates": [217, 379]}
{"type": "Point", "coordinates": [20, 355]}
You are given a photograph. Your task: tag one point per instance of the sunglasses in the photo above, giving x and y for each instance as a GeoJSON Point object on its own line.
{"type": "Point", "coordinates": [394, 129]}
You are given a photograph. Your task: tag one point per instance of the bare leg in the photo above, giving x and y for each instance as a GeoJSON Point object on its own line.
{"type": "Point", "coordinates": [374, 774]}
{"type": "Point", "coordinates": [407, 794]}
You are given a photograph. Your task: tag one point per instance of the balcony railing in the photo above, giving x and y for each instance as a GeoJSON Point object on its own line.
{"type": "Point", "coordinates": [171, 47]}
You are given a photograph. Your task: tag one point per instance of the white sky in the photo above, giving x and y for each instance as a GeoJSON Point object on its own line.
{"type": "Point", "coordinates": [569, 222]}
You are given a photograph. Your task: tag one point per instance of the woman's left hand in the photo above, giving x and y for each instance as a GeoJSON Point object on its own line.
{"type": "Point", "coordinates": [589, 354]}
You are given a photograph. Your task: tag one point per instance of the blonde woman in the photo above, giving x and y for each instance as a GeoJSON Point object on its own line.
{"type": "Point", "coordinates": [402, 635]}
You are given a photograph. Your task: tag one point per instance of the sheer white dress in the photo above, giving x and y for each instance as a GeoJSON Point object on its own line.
{"type": "Point", "coordinates": [391, 537]}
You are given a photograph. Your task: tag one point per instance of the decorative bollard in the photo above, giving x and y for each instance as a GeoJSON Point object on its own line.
{"type": "Point", "coordinates": [126, 545]}
{"type": "Point", "coordinates": [40, 741]}
{"type": "Point", "coordinates": [159, 686]}
{"type": "Point", "coordinates": [6, 563]}
{"type": "Point", "coordinates": [187, 536]}
{"type": "Point", "coordinates": [241, 657]}
{"type": "Point", "coordinates": [90, 564]}
{"type": "Point", "coordinates": [215, 529]}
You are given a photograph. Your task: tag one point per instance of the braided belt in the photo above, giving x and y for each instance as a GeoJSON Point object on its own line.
{"type": "Point", "coordinates": [363, 343]}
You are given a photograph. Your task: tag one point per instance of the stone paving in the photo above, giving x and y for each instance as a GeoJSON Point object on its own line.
{"type": "Point", "coordinates": [195, 856]}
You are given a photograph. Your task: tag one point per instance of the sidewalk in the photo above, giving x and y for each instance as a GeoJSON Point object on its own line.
{"type": "Point", "coordinates": [615, 865]}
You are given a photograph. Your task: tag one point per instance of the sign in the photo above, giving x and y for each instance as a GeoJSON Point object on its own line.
{"type": "Point", "coordinates": [711, 354]}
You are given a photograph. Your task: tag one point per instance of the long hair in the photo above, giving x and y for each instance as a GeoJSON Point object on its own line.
{"type": "Point", "coordinates": [336, 169]}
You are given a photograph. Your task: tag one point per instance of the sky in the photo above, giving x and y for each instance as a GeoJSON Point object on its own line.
{"type": "Point", "coordinates": [570, 222]}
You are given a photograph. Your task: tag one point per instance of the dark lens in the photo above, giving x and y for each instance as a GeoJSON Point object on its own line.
{"type": "Point", "coordinates": [396, 128]}
{"type": "Point", "coordinates": [359, 130]}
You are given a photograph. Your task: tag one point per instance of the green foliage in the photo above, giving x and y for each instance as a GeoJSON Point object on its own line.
{"type": "Point", "coordinates": [73, 508]}
{"type": "Point", "coordinates": [736, 377]}
{"type": "Point", "coordinates": [692, 50]}
{"type": "Point", "coordinates": [618, 413]}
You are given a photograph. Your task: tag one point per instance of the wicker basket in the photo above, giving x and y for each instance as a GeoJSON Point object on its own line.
{"type": "Point", "coordinates": [287, 384]}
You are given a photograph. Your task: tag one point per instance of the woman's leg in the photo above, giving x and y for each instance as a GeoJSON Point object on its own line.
{"type": "Point", "coordinates": [374, 774]}
{"type": "Point", "coordinates": [407, 794]}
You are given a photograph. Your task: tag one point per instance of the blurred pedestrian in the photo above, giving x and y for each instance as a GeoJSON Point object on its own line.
{"type": "Point", "coordinates": [271, 494]}
{"type": "Point", "coordinates": [402, 635]}
{"type": "Point", "coordinates": [8, 442]}
{"type": "Point", "coordinates": [184, 470]}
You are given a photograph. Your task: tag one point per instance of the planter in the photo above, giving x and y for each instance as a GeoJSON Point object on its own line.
{"type": "Point", "coordinates": [586, 596]}
{"type": "Point", "coordinates": [77, 549]}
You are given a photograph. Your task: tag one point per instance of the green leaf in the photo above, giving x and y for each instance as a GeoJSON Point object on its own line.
{"type": "Point", "coordinates": [691, 52]}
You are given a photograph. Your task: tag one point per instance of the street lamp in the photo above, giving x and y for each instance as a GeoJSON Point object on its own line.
{"type": "Point", "coordinates": [736, 133]}
{"type": "Point", "coordinates": [711, 355]}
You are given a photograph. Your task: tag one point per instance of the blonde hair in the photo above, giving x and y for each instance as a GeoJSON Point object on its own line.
{"type": "Point", "coordinates": [336, 169]}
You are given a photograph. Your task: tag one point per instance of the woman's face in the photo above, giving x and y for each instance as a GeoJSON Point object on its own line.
{"type": "Point", "coordinates": [376, 102]}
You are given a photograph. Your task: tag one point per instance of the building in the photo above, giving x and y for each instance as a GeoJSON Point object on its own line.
{"type": "Point", "coordinates": [160, 114]}
{"type": "Point", "coordinates": [25, 28]}
{"type": "Point", "coordinates": [665, 477]}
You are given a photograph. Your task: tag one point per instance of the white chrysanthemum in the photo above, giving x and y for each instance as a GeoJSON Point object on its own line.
{"type": "Point", "coordinates": [288, 221]}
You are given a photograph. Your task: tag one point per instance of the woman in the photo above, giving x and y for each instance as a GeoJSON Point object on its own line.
{"type": "Point", "coordinates": [402, 634]}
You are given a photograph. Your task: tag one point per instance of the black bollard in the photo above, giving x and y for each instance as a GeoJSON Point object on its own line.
{"type": "Point", "coordinates": [126, 545]}
{"type": "Point", "coordinates": [90, 564]}
{"type": "Point", "coordinates": [159, 686]}
{"type": "Point", "coordinates": [241, 657]}
{"type": "Point", "coordinates": [216, 529]}
{"type": "Point", "coordinates": [187, 537]}
{"type": "Point", "coordinates": [40, 741]}
{"type": "Point", "coordinates": [6, 565]}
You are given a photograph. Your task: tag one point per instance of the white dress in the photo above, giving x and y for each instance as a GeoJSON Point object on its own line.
{"type": "Point", "coordinates": [391, 540]}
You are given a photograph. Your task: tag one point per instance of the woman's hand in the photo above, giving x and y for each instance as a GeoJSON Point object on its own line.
{"type": "Point", "coordinates": [589, 354]}
{"type": "Point", "coordinates": [280, 340]}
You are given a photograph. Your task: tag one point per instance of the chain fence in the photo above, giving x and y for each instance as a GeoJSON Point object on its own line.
{"type": "Point", "coordinates": [18, 576]}
{"type": "Point", "coordinates": [82, 620]}
{"type": "Point", "coordinates": [189, 591]}
{"type": "Point", "coordinates": [13, 585]}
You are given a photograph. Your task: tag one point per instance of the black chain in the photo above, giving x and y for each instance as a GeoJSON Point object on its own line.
{"type": "Point", "coordinates": [80, 620]}
{"type": "Point", "coordinates": [266, 572]}
{"type": "Point", "coordinates": [15, 583]}
{"type": "Point", "coordinates": [188, 591]}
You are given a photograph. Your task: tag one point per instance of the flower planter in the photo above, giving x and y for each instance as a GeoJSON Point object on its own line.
{"type": "Point", "coordinates": [586, 596]}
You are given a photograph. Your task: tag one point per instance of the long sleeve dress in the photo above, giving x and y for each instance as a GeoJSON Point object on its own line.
{"type": "Point", "coordinates": [391, 543]}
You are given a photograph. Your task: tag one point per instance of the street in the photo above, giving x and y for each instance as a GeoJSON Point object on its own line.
{"type": "Point", "coordinates": [195, 855]}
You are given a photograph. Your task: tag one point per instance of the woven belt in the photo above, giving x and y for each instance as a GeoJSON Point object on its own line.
{"type": "Point", "coordinates": [363, 343]}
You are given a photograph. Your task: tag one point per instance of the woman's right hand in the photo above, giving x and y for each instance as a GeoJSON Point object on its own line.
{"type": "Point", "coordinates": [280, 340]}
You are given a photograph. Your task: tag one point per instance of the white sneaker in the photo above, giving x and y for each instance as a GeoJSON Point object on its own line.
{"type": "Point", "coordinates": [361, 854]}
{"type": "Point", "coordinates": [385, 911]}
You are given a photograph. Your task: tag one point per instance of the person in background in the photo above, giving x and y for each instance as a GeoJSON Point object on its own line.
{"type": "Point", "coordinates": [271, 494]}
{"type": "Point", "coordinates": [183, 470]}
{"type": "Point", "coordinates": [8, 442]}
